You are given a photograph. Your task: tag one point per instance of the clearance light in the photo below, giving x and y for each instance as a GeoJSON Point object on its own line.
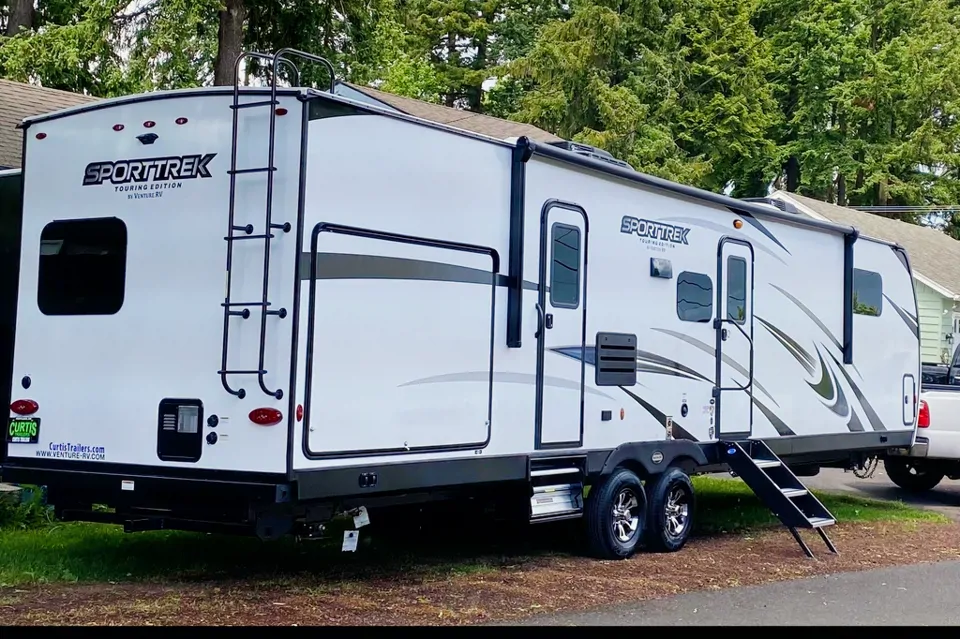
{"type": "Point", "coordinates": [266, 416]}
{"type": "Point", "coordinates": [24, 407]}
{"type": "Point", "coordinates": [737, 224]}
{"type": "Point", "coordinates": [181, 120]}
{"type": "Point", "coordinates": [281, 111]}
{"type": "Point", "coordinates": [118, 127]}
{"type": "Point", "coordinates": [40, 136]}
{"type": "Point", "coordinates": [149, 124]}
{"type": "Point", "coordinates": [299, 412]}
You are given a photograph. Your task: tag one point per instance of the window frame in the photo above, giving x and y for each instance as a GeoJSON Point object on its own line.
{"type": "Point", "coordinates": [710, 296]}
{"type": "Point", "coordinates": [726, 288]}
{"type": "Point", "coordinates": [579, 284]}
{"type": "Point", "coordinates": [60, 308]}
{"type": "Point", "coordinates": [859, 272]}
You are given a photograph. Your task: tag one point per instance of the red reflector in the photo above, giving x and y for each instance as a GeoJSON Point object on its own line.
{"type": "Point", "coordinates": [923, 420]}
{"type": "Point", "coordinates": [265, 416]}
{"type": "Point", "coordinates": [281, 111]}
{"type": "Point", "coordinates": [118, 127]}
{"type": "Point", "coordinates": [181, 120]}
{"type": "Point", "coordinates": [40, 136]}
{"type": "Point", "coordinates": [149, 124]}
{"type": "Point", "coordinates": [24, 407]}
{"type": "Point", "coordinates": [299, 412]}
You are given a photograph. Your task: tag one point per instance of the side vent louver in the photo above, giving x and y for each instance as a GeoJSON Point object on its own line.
{"type": "Point", "coordinates": [616, 359]}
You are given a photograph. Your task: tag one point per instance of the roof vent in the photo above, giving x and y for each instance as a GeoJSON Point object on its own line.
{"type": "Point", "coordinates": [786, 207]}
{"type": "Point", "coordinates": [590, 152]}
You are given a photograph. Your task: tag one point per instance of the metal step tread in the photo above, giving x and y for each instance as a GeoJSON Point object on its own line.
{"type": "Point", "coordinates": [820, 522]}
{"type": "Point", "coordinates": [546, 472]}
{"type": "Point", "coordinates": [767, 463]}
{"type": "Point", "coordinates": [543, 519]}
{"type": "Point", "coordinates": [794, 492]}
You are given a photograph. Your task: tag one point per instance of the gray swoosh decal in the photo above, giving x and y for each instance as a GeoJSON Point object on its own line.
{"type": "Point", "coordinates": [872, 416]}
{"type": "Point", "coordinates": [726, 230]}
{"type": "Point", "coordinates": [507, 378]}
{"type": "Point", "coordinates": [751, 220]}
{"type": "Point", "coordinates": [798, 352]}
{"type": "Point", "coordinates": [907, 318]}
{"type": "Point", "coordinates": [352, 266]}
{"type": "Point", "coordinates": [678, 430]}
{"type": "Point", "coordinates": [652, 358]}
{"type": "Point", "coordinates": [854, 424]}
{"type": "Point", "coordinates": [782, 429]}
{"type": "Point", "coordinates": [840, 407]}
{"type": "Point", "coordinates": [706, 348]}
{"type": "Point", "coordinates": [824, 387]}
{"type": "Point", "coordinates": [810, 314]}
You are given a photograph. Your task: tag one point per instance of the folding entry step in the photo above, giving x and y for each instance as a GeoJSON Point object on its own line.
{"type": "Point", "coordinates": [779, 489]}
{"type": "Point", "coordinates": [556, 488]}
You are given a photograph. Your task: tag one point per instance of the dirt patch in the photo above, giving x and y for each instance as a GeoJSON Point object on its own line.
{"type": "Point", "coordinates": [510, 591]}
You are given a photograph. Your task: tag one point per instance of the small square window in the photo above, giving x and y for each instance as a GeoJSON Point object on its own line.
{"type": "Point", "coordinates": [565, 266]}
{"type": "Point", "coordinates": [694, 297]}
{"type": "Point", "coordinates": [867, 293]}
{"type": "Point", "coordinates": [737, 289]}
{"type": "Point", "coordinates": [83, 266]}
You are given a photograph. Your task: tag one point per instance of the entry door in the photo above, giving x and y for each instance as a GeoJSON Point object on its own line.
{"type": "Point", "coordinates": [561, 324]}
{"type": "Point", "coordinates": [734, 325]}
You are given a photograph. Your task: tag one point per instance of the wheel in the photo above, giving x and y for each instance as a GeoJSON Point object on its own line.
{"type": "Point", "coordinates": [616, 512]}
{"type": "Point", "coordinates": [912, 475]}
{"type": "Point", "coordinates": [670, 516]}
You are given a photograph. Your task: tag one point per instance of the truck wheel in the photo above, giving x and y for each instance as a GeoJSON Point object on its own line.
{"type": "Point", "coordinates": [912, 475]}
{"type": "Point", "coordinates": [616, 513]}
{"type": "Point", "coordinates": [670, 518]}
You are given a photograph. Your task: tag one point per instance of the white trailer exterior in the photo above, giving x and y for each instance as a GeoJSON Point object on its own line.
{"type": "Point", "coordinates": [435, 310]}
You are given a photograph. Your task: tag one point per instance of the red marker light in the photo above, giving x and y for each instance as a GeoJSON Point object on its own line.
{"type": "Point", "coordinates": [149, 124]}
{"type": "Point", "coordinates": [118, 127]}
{"type": "Point", "coordinates": [181, 120]}
{"type": "Point", "coordinates": [281, 111]}
{"type": "Point", "coordinates": [40, 136]}
{"type": "Point", "coordinates": [266, 416]}
{"type": "Point", "coordinates": [24, 407]}
{"type": "Point", "coordinates": [299, 412]}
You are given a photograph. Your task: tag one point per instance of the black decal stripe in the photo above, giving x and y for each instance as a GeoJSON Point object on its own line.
{"type": "Point", "coordinates": [350, 266]}
{"type": "Point", "coordinates": [706, 348]}
{"type": "Point", "coordinates": [754, 222]}
{"type": "Point", "coordinates": [811, 315]}
{"type": "Point", "coordinates": [781, 428]}
{"type": "Point", "coordinates": [872, 416]}
{"type": "Point", "coordinates": [907, 318]}
{"type": "Point", "coordinates": [504, 378]}
{"type": "Point", "coordinates": [854, 424]}
{"type": "Point", "coordinates": [798, 352]}
{"type": "Point", "coordinates": [824, 386]}
{"type": "Point", "coordinates": [678, 431]}
{"type": "Point", "coordinates": [652, 358]}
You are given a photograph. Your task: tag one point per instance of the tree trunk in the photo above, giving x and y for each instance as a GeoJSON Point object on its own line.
{"type": "Point", "coordinates": [793, 174]}
{"type": "Point", "coordinates": [21, 16]}
{"type": "Point", "coordinates": [842, 190]}
{"type": "Point", "coordinates": [230, 41]}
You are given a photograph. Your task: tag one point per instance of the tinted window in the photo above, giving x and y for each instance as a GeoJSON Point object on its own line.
{"type": "Point", "coordinates": [82, 267]}
{"type": "Point", "coordinates": [737, 289]}
{"type": "Point", "coordinates": [565, 266]}
{"type": "Point", "coordinates": [694, 297]}
{"type": "Point", "coordinates": [867, 293]}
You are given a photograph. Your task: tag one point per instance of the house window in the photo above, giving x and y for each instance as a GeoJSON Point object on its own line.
{"type": "Point", "coordinates": [694, 297]}
{"type": "Point", "coordinates": [867, 293]}
{"type": "Point", "coordinates": [565, 266]}
{"type": "Point", "coordinates": [737, 289]}
{"type": "Point", "coordinates": [83, 266]}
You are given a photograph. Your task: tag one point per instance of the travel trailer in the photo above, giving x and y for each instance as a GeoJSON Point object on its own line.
{"type": "Point", "coordinates": [9, 263]}
{"type": "Point", "coordinates": [251, 309]}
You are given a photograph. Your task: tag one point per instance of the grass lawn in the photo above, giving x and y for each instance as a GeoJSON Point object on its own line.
{"type": "Point", "coordinates": [77, 552]}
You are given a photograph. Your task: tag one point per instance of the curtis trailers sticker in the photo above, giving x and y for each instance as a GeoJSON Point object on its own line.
{"type": "Point", "coordinates": [656, 235]}
{"type": "Point", "coordinates": [148, 178]}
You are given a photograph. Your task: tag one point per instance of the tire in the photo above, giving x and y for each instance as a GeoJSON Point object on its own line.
{"type": "Point", "coordinates": [616, 515]}
{"type": "Point", "coordinates": [670, 515]}
{"type": "Point", "coordinates": [911, 475]}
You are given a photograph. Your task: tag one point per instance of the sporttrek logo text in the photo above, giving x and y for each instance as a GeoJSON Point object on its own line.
{"type": "Point", "coordinates": [148, 178]}
{"type": "Point", "coordinates": [657, 235]}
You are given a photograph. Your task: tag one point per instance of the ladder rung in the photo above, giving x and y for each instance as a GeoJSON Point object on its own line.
{"type": "Point", "coordinates": [281, 313]}
{"type": "Point", "coordinates": [819, 522]}
{"type": "Point", "coordinates": [241, 372]}
{"type": "Point", "coordinates": [245, 313]}
{"type": "Point", "coordinates": [793, 492]}
{"type": "Point", "coordinates": [249, 237]}
{"type": "Point", "coordinates": [232, 304]}
{"type": "Point", "coordinates": [248, 229]}
{"type": "Point", "coordinates": [285, 227]}
{"type": "Point", "coordinates": [767, 463]}
{"type": "Point", "coordinates": [250, 105]}
{"type": "Point", "coordinates": [259, 169]}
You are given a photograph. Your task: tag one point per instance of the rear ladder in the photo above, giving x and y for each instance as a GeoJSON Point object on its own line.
{"type": "Point", "coordinates": [237, 233]}
{"type": "Point", "coordinates": [779, 489]}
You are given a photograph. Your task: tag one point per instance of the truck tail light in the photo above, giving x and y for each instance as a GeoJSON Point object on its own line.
{"type": "Point", "coordinates": [923, 420]}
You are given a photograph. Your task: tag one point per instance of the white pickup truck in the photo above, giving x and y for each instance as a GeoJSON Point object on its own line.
{"type": "Point", "coordinates": [936, 452]}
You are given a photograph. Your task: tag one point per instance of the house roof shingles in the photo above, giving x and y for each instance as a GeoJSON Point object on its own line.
{"type": "Point", "coordinates": [19, 101]}
{"type": "Point", "coordinates": [933, 254]}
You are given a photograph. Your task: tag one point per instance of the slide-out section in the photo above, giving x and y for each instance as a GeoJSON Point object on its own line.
{"type": "Point", "coordinates": [390, 317]}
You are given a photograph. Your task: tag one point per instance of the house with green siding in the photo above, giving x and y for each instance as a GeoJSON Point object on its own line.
{"type": "Point", "coordinates": [934, 256]}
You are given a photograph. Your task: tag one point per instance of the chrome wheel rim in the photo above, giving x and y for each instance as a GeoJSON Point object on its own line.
{"type": "Point", "coordinates": [677, 512]}
{"type": "Point", "coordinates": [626, 517]}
